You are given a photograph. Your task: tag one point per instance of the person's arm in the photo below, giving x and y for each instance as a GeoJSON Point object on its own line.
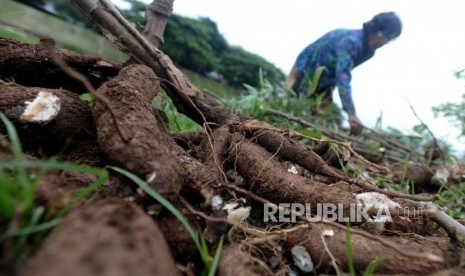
{"type": "Point", "coordinates": [344, 66]}
{"type": "Point", "coordinates": [343, 76]}
{"type": "Point", "coordinates": [356, 126]}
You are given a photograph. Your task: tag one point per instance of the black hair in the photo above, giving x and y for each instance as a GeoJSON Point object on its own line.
{"type": "Point", "coordinates": [387, 23]}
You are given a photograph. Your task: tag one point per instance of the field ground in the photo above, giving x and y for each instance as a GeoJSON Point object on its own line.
{"type": "Point", "coordinates": [123, 225]}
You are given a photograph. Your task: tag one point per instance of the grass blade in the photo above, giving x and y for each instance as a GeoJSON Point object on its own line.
{"type": "Point", "coordinates": [32, 229]}
{"type": "Point", "coordinates": [316, 78]}
{"type": "Point", "coordinates": [216, 259]}
{"type": "Point", "coordinates": [350, 257]}
{"type": "Point", "coordinates": [205, 255]}
{"type": "Point", "coordinates": [371, 268]}
{"type": "Point", "coordinates": [16, 148]}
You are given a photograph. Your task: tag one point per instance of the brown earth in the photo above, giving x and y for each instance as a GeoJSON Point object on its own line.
{"type": "Point", "coordinates": [123, 231]}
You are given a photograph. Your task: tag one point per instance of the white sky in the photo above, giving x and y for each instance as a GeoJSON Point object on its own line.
{"type": "Point", "coordinates": [417, 67]}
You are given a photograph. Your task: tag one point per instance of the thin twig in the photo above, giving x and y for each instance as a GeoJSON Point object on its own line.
{"type": "Point", "coordinates": [453, 228]}
{"type": "Point", "coordinates": [435, 141]}
{"type": "Point", "coordinates": [333, 260]}
{"type": "Point", "coordinates": [387, 142]}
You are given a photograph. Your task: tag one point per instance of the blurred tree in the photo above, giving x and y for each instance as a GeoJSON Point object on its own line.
{"type": "Point", "coordinates": [135, 13]}
{"type": "Point", "coordinates": [241, 67]}
{"type": "Point", "coordinates": [195, 44]}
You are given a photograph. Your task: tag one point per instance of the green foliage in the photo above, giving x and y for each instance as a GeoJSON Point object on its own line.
{"type": "Point", "coordinates": [210, 86]}
{"type": "Point", "coordinates": [371, 268]}
{"type": "Point", "coordinates": [257, 102]}
{"type": "Point", "coordinates": [454, 111]}
{"type": "Point", "coordinates": [177, 122]}
{"type": "Point", "coordinates": [335, 148]}
{"type": "Point", "coordinates": [17, 36]}
{"type": "Point", "coordinates": [87, 98]}
{"type": "Point", "coordinates": [312, 81]}
{"type": "Point", "coordinates": [197, 45]}
{"type": "Point", "coordinates": [22, 221]}
{"type": "Point", "coordinates": [216, 258]}
{"type": "Point", "coordinates": [453, 197]}
{"type": "Point", "coordinates": [194, 44]}
{"type": "Point", "coordinates": [135, 13]}
{"type": "Point", "coordinates": [418, 141]}
{"type": "Point", "coordinates": [240, 67]}
{"type": "Point", "coordinates": [199, 240]}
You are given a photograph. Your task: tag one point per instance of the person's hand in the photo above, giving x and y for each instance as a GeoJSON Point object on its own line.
{"type": "Point", "coordinates": [355, 125]}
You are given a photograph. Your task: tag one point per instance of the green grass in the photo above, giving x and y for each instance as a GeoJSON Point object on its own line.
{"type": "Point", "coordinates": [370, 269]}
{"type": "Point", "coordinates": [453, 197]}
{"type": "Point", "coordinates": [18, 36]}
{"type": "Point", "coordinates": [180, 123]}
{"type": "Point", "coordinates": [350, 258]}
{"type": "Point", "coordinates": [25, 19]}
{"type": "Point", "coordinates": [28, 38]}
{"type": "Point", "coordinates": [210, 86]}
{"type": "Point", "coordinates": [24, 223]}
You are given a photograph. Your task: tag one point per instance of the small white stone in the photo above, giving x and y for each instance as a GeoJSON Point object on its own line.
{"type": "Point", "coordinates": [293, 170]}
{"type": "Point", "coordinates": [217, 201]}
{"type": "Point", "coordinates": [151, 177]}
{"type": "Point", "coordinates": [140, 192]}
{"type": "Point", "coordinates": [129, 198]}
{"type": "Point", "coordinates": [302, 259]}
{"type": "Point", "coordinates": [154, 209]}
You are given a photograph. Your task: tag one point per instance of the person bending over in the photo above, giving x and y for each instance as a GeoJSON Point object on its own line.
{"type": "Point", "coordinates": [339, 51]}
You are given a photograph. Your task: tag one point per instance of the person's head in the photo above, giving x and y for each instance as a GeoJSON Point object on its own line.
{"type": "Point", "coordinates": [381, 29]}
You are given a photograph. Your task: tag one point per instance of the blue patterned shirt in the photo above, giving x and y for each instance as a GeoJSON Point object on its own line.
{"type": "Point", "coordinates": [339, 51]}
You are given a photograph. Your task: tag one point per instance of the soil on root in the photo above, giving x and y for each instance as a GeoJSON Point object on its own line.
{"type": "Point", "coordinates": [111, 237]}
{"type": "Point", "coordinates": [72, 122]}
{"type": "Point", "coordinates": [136, 141]}
{"type": "Point", "coordinates": [56, 190]}
{"type": "Point", "coordinates": [365, 250]}
{"type": "Point", "coordinates": [269, 177]}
